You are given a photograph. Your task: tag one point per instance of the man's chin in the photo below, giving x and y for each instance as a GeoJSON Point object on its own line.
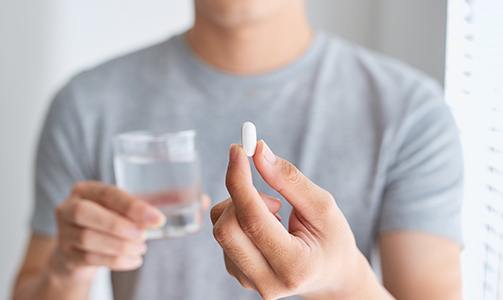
{"type": "Point", "coordinates": [232, 13]}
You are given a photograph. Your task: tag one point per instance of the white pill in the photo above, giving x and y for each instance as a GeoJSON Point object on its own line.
{"type": "Point", "coordinates": [249, 138]}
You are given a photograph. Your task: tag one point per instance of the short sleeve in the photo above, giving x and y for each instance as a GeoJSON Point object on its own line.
{"type": "Point", "coordinates": [424, 179]}
{"type": "Point", "coordinates": [61, 160]}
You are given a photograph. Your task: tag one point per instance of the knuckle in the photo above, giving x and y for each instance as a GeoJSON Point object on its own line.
{"type": "Point", "coordinates": [78, 188]}
{"type": "Point", "coordinates": [221, 234]}
{"type": "Point", "coordinates": [245, 282]}
{"type": "Point", "coordinates": [290, 172]}
{"type": "Point", "coordinates": [84, 237]}
{"type": "Point", "coordinates": [88, 258]}
{"type": "Point", "coordinates": [78, 210]}
{"type": "Point", "coordinates": [230, 267]}
{"type": "Point", "coordinates": [294, 279]}
{"type": "Point", "coordinates": [67, 245]}
{"type": "Point", "coordinates": [291, 281]}
{"type": "Point", "coordinates": [249, 219]}
{"type": "Point", "coordinates": [65, 249]}
{"type": "Point", "coordinates": [251, 227]}
{"type": "Point", "coordinates": [215, 213]}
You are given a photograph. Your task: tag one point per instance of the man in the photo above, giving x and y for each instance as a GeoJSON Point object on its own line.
{"type": "Point", "coordinates": [374, 138]}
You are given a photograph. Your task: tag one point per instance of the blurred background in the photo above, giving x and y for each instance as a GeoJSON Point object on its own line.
{"type": "Point", "coordinates": [42, 43]}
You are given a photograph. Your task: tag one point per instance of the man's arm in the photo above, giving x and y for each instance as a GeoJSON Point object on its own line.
{"type": "Point", "coordinates": [35, 279]}
{"type": "Point", "coordinates": [97, 225]}
{"type": "Point", "coordinates": [420, 266]}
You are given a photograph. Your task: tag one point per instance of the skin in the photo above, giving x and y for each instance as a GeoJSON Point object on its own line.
{"type": "Point", "coordinates": [99, 225]}
{"type": "Point", "coordinates": [249, 37]}
{"type": "Point", "coordinates": [316, 256]}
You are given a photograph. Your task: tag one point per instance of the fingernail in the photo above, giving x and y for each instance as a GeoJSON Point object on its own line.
{"type": "Point", "coordinates": [268, 155]}
{"type": "Point", "coordinates": [154, 218]}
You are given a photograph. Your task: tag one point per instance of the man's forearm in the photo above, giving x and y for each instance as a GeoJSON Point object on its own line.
{"type": "Point", "coordinates": [44, 286]}
{"type": "Point", "coordinates": [51, 284]}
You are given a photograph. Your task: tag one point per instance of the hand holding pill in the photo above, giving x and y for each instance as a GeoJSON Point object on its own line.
{"type": "Point", "coordinates": [315, 257]}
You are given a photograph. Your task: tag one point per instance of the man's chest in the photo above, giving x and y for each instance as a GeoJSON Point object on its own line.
{"type": "Point", "coordinates": [298, 126]}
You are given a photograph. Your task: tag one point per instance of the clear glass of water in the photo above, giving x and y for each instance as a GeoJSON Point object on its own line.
{"type": "Point", "coordinates": [163, 170]}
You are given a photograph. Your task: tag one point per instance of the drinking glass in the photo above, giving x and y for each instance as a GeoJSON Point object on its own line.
{"type": "Point", "coordinates": [162, 170]}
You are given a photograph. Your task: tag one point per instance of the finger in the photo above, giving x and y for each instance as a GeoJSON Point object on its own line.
{"type": "Point", "coordinates": [253, 216]}
{"type": "Point", "coordinates": [242, 252]}
{"type": "Point", "coordinates": [121, 202]}
{"type": "Point", "coordinates": [101, 243]}
{"type": "Point", "coordinates": [218, 209]}
{"type": "Point", "coordinates": [89, 214]}
{"type": "Point", "coordinates": [308, 199]}
{"type": "Point", "coordinates": [273, 204]}
{"type": "Point", "coordinates": [115, 263]}
{"type": "Point", "coordinates": [205, 201]}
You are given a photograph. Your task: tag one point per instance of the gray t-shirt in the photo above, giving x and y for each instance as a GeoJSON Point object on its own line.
{"type": "Point", "coordinates": [373, 132]}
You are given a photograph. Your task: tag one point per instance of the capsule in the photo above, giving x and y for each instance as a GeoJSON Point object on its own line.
{"type": "Point", "coordinates": [249, 138]}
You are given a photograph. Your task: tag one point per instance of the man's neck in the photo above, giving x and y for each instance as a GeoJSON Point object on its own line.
{"type": "Point", "coordinates": [252, 48]}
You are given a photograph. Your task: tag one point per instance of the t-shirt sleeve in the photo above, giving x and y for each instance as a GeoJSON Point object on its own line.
{"type": "Point", "coordinates": [424, 179]}
{"type": "Point", "coordinates": [61, 160]}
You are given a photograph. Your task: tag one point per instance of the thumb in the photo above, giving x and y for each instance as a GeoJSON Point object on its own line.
{"type": "Point", "coordinates": [307, 198]}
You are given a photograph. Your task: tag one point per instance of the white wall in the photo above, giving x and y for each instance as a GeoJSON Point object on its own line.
{"type": "Point", "coordinates": [43, 42]}
{"type": "Point", "coordinates": [23, 81]}
{"type": "Point", "coordinates": [411, 30]}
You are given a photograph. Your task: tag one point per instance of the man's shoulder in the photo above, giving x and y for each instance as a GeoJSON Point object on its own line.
{"type": "Point", "coordinates": [113, 79]}
{"type": "Point", "coordinates": [132, 65]}
{"type": "Point", "coordinates": [372, 66]}
{"type": "Point", "coordinates": [396, 87]}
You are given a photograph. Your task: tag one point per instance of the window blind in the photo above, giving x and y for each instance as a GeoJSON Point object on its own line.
{"type": "Point", "coordinates": [474, 90]}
